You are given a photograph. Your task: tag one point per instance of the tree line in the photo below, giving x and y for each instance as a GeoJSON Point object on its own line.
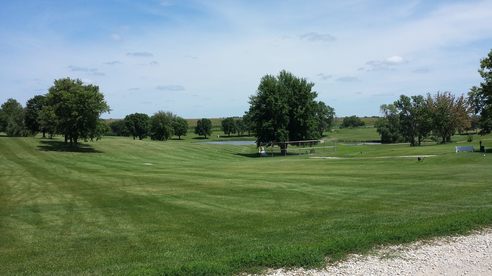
{"type": "Point", "coordinates": [439, 116]}
{"type": "Point", "coordinates": [283, 109]}
{"type": "Point", "coordinates": [70, 108]}
{"type": "Point", "coordinates": [161, 126]}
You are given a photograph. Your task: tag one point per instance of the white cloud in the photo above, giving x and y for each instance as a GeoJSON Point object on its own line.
{"type": "Point", "coordinates": [315, 37]}
{"type": "Point", "coordinates": [139, 54]}
{"type": "Point", "coordinates": [389, 63]}
{"type": "Point", "coordinates": [170, 87]}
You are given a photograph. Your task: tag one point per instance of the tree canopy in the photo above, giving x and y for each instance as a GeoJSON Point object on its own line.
{"type": "Point", "coordinates": [484, 95]}
{"type": "Point", "coordinates": [12, 118]}
{"type": "Point", "coordinates": [352, 121]}
{"type": "Point", "coordinates": [229, 126]}
{"type": "Point", "coordinates": [284, 108]}
{"type": "Point", "coordinates": [137, 125]}
{"type": "Point", "coordinates": [412, 119]}
{"type": "Point", "coordinates": [32, 112]}
{"type": "Point", "coordinates": [180, 126]}
{"type": "Point", "coordinates": [161, 126]}
{"type": "Point", "coordinates": [77, 107]}
{"type": "Point", "coordinates": [203, 127]}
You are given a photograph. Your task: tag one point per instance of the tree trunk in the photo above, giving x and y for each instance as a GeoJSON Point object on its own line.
{"type": "Point", "coordinates": [44, 133]}
{"type": "Point", "coordinates": [66, 139]}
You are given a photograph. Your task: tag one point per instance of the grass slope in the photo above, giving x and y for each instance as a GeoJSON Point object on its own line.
{"type": "Point", "coordinates": [180, 207]}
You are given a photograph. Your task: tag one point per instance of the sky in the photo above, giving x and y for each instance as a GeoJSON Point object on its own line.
{"type": "Point", "coordinates": [206, 58]}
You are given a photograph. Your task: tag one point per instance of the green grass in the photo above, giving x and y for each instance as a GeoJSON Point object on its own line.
{"type": "Point", "coordinates": [358, 134]}
{"type": "Point", "coordinates": [125, 206]}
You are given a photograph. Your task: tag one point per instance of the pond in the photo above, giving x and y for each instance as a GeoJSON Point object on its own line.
{"type": "Point", "coordinates": [234, 143]}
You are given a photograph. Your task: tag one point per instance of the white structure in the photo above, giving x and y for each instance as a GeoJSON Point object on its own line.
{"type": "Point", "coordinates": [464, 148]}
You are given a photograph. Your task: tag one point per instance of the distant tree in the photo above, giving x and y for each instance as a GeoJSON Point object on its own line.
{"type": "Point", "coordinates": [284, 109]}
{"type": "Point", "coordinates": [77, 108]}
{"type": "Point", "coordinates": [449, 114]}
{"type": "Point", "coordinates": [249, 125]}
{"type": "Point", "coordinates": [203, 127]}
{"type": "Point", "coordinates": [241, 127]}
{"type": "Point", "coordinates": [138, 125]}
{"type": "Point", "coordinates": [161, 126]}
{"type": "Point", "coordinates": [12, 118]}
{"type": "Point", "coordinates": [388, 126]}
{"type": "Point", "coordinates": [325, 116]}
{"type": "Point", "coordinates": [476, 100]}
{"type": "Point", "coordinates": [415, 118]}
{"type": "Point", "coordinates": [229, 126]}
{"type": "Point", "coordinates": [352, 121]}
{"type": "Point", "coordinates": [31, 118]}
{"type": "Point", "coordinates": [118, 128]}
{"type": "Point", "coordinates": [180, 126]}
{"type": "Point", "coordinates": [101, 129]}
{"type": "Point", "coordinates": [47, 121]}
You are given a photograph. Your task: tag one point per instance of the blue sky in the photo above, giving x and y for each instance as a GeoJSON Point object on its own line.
{"type": "Point", "coordinates": [205, 58]}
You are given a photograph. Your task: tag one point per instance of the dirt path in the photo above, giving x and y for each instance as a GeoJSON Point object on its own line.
{"type": "Point", "coordinates": [464, 255]}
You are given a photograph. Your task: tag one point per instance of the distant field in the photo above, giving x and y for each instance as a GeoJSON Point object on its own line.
{"type": "Point", "coordinates": [359, 134]}
{"type": "Point", "coordinates": [369, 121]}
{"type": "Point", "coordinates": [123, 206]}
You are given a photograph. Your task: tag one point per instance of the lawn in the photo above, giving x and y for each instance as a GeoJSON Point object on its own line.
{"type": "Point", "coordinates": [125, 206]}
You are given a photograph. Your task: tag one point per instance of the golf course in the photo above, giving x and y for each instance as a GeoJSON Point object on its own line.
{"type": "Point", "coordinates": [124, 206]}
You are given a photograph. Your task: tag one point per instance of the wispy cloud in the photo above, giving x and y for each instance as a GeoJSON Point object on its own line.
{"type": "Point", "coordinates": [316, 37]}
{"type": "Point", "coordinates": [348, 79]}
{"type": "Point", "coordinates": [139, 54]}
{"type": "Point", "coordinates": [88, 70]}
{"type": "Point", "coordinates": [170, 88]}
{"type": "Point", "coordinates": [389, 63]}
{"type": "Point", "coordinates": [114, 62]}
{"type": "Point", "coordinates": [421, 70]}
{"type": "Point", "coordinates": [324, 76]}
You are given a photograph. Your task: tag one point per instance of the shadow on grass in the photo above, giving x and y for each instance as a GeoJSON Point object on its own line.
{"type": "Point", "coordinates": [50, 145]}
{"type": "Point", "coordinates": [200, 138]}
{"type": "Point", "coordinates": [257, 155]}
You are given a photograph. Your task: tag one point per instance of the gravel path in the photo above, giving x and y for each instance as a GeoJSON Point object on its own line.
{"type": "Point", "coordinates": [463, 255]}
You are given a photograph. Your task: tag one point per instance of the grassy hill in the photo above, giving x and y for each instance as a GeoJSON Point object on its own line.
{"type": "Point", "coordinates": [126, 206]}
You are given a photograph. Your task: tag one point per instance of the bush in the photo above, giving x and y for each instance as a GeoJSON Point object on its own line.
{"type": "Point", "coordinates": [352, 121]}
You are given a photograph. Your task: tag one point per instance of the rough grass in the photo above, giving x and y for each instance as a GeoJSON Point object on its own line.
{"type": "Point", "coordinates": [125, 206]}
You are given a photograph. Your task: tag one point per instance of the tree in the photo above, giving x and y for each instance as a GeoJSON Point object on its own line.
{"type": "Point", "coordinates": [485, 94]}
{"type": "Point", "coordinates": [118, 128]}
{"type": "Point", "coordinates": [415, 119]}
{"type": "Point", "coordinates": [203, 127]}
{"type": "Point", "coordinates": [388, 126]}
{"type": "Point", "coordinates": [47, 121]}
{"type": "Point", "coordinates": [449, 114]}
{"type": "Point", "coordinates": [229, 126]}
{"type": "Point", "coordinates": [241, 127]}
{"type": "Point", "coordinates": [137, 125]}
{"type": "Point", "coordinates": [352, 121]}
{"type": "Point", "coordinates": [161, 126]}
{"type": "Point", "coordinates": [101, 129]}
{"type": "Point", "coordinates": [12, 118]}
{"type": "Point", "coordinates": [284, 109]}
{"type": "Point", "coordinates": [31, 118]}
{"type": "Point", "coordinates": [249, 125]}
{"type": "Point", "coordinates": [77, 108]}
{"type": "Point", "coordinates": [180, 126]}
{"type": "Point", "coordinates": [325, 115]}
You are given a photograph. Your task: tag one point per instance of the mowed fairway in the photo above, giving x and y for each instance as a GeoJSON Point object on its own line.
{"type": "Point", "coordinates": [180, 207]}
